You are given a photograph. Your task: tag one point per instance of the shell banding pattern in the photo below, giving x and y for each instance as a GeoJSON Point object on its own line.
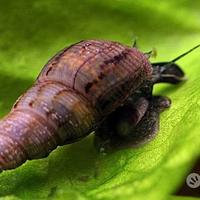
{"type": "Point", "coordinates": [76, 90]}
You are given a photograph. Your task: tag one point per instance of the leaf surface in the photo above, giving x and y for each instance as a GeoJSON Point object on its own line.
{"type": "Point", "coordinates": [33, 31]}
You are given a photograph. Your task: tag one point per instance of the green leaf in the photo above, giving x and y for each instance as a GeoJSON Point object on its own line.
{"type": "Point", "coordinates": [182, 198]}
{"type": "Point", "coordinates": [33, 31]}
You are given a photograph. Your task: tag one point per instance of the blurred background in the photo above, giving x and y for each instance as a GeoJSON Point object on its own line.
{"type": "Point", "coordinates": [31, 32]}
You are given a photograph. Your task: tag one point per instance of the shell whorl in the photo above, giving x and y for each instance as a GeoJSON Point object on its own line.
{"type": "Point", "coordinates": [104, 72]}
{"type": "Point", "coordinates": [47, 115]}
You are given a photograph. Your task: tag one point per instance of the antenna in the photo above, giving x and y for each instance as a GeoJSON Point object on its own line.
{"type": "Point", "coordinates": [184, 54]}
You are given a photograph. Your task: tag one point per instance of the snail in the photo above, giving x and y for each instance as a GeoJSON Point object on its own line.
{"type": "Point", "coordinates": [93, 85]}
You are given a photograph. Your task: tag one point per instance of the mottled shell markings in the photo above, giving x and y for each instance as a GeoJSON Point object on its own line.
{"type": "Point", "coordinates": [73, 93]}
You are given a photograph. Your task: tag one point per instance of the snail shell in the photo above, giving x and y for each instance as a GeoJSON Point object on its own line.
{"type": "Point", "coordinates": [74, 92]}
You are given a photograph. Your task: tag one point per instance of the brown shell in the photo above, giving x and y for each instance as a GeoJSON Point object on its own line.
{"type": "Point", "coordinates": [102, 71]}
{"type": "Point", "coordinates": [75, 90]}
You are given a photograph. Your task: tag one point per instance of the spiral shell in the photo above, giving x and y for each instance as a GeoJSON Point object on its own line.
{"type": "Point", "coordinates": [74, 92]}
